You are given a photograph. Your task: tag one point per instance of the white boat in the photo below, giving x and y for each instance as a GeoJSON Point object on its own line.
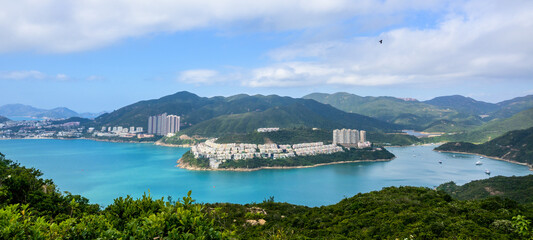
{"type": "Point", "coordinates": [479, 163]}
{"type": "Point", "coordinates": [480, 157]}
{"type": "Point", "coordinates": [440, 161]}
{"type": "Point", "coordinates": [487, 171]}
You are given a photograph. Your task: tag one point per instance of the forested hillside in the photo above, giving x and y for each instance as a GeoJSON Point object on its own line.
{"type": "Point", "coordinates": [219, 116]}
{"type": "Point", "coordinates": [515, 145]}
{"type": "Point", "coordinates": [409, 114]}
{"type": "Point", "coordinates": [518, 189]}
{"type": "Point", "coordinates": [301, 135]}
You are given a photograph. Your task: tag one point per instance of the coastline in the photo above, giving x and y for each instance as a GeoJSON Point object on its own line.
{"type": "Point", "coordinates": [189, 167]}
{"type": "Point", "coordinates": [172, 145]}
{"type": "Point", "coordinates": [491, 157]}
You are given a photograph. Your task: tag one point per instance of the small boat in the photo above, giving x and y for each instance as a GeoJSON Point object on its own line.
{"type": "Point", "coordinates": [479, 163]}
{"type": "Point", "coordinates": [440, 161]}
{"type": "Point", "coordinates": [487, 171]}
{"type": "Point", "coordinates": [453, 155]}
{"type": "Point", "coordinates": [480, 157]}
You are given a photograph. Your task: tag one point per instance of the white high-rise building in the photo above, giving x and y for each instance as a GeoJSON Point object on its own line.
{"type": "Point", "coordinates": [163, 124]}
{"type": "Point", "coordinates": [172, 124]}
{"type": "Point", "coordinates": [362, 136]}
{"type": "Point", "coordinates": [348, 136]}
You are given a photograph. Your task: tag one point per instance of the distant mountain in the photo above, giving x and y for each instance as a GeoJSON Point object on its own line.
{"type": "Point", "coordinates": [463, 104]}
{"type": "Point", "coordinates": [494, 128]}
{"type": "Point", "coordinates": [511, 107]}
{"type": "Point", "coordinates": [3, 119]}
{"type": "Point", "coordinates": [60, 112]}
{"type": "Point", "coordinates": [410, 114]}
{"type": "Point", "coordinates": [20, 110]}
{"type": "Point", "coordinates": [238, 114]}
{"type": "Point", "coordinates": [515, 146]}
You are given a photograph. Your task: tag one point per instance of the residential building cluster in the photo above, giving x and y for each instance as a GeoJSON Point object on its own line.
{"type": "Point", "coordinates": [351, 138]}
{"type": "Point", "coordinates": [267, 129]}
{"type": "Point", "coordinates": [219, 153]}
{"type": "Point", "coordinates": [163, 124]}
{"type": "Point", "coordinates": [116, 131]}
{"type": "Point", "coordinates": [40, 129]}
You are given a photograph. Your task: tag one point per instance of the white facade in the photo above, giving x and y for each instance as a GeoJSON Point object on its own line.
{"type": "Point", "coordinates": [163, 124]}
{"type": "Point", "coordinates": [350, 137]}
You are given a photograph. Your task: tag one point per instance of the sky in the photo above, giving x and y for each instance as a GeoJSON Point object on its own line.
{"type": "Point", "coordinates": [100, 55]}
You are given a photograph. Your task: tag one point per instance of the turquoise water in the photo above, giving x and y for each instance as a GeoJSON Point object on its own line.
{"type": "Point", "coordinates": [102, 171]}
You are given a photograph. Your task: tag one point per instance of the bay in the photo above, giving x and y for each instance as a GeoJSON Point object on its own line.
{"type": "Point", "coordinates": [103, 171]}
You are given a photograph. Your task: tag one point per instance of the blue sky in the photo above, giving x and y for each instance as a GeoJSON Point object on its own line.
{"type": "Point", "coordinates": [102, 55]}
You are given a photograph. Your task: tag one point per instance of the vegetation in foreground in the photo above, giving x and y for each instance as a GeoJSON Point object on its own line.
{"type": "Point", "coordinates": [515, 145]}
{"type": "Point", "coordinates": [518, 189]}
{"type": "Point", "coordinates": [394, 212]}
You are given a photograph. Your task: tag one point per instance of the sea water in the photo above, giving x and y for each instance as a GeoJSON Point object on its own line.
{"type": "Point", "coordinates": [103, 171]}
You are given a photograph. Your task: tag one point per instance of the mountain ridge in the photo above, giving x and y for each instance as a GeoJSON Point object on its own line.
{"type": "Point", "coordinates": [22, 110]}
{"type": "Point", "coordinates": [238, 114]}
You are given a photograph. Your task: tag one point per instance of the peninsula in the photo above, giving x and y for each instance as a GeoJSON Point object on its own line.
{"type": "Point", "coordinates": [514, 146]}
{"type": "Point", "coordinates": [347, 146]}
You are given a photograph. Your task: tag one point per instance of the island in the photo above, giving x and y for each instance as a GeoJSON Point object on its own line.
{"type": "Point", "coordinates": [348, 146]}
{"type": "Point", "coordinates": [514, 146]}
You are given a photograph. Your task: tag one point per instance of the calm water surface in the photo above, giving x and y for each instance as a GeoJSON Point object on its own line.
{"type": "Point", "coordinates": [102, 171]}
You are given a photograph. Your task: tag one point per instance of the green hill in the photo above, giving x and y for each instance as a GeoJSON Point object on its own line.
{"type": "Point", "coordinates": [302, 113]}
{"type": "Point", "coordinates": [493, 129]}
{"type": "Point", "coordinates": [511, 107]}
{"type": "Point", "coordinates": [515, 145]}
{"type": "Point", "coordinates": [410, 114]}
{"type": "Point", "coordinates": [236, 114]}
{"type": "Point", "coordinates": [518, 189]}
{"type": "Point", "coordinates": [300, 135]}
{"type": "Point", "coordinates": [463, 104]}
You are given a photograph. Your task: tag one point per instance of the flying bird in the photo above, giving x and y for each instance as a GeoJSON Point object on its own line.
{"type": "Point", "coordinates": [380, 41]}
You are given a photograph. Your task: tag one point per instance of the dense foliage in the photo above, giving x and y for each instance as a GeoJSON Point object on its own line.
{"type": "Point", "coordinates": [515, 145]}
{"type": "Point", "coordinates": [409, 114]}
{"type": "Point", "coordinates": [492, 129]}
{"type": "Point", "coordinates": [21, 185]}
{"type": "Point", "coordinates": [188, 158]}
{"type": "Point", "coordinates": [394, 212]}
{"type": "Point", "coordinates": [300, 135]}
{"type": "Point", "coordinates": [518, 189]}
{"type": "Point", "coordinates": [217, 116]}
{"type": "Point", "coordinates": [348, 155]}
{"type": "Point", "coordinates": [283, 136]}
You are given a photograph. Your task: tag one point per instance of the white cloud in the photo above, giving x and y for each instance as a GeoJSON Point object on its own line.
{"type": "Point", "coordinates": [62, 77]}
{"type": "Point", "coordinates": [67, 26]}
{"type": "Point", "coordinates": [19, 75]}
{"type": "Point", "coordinates": [32, 75]}
{"type": "Point", "coordinates": [478, 40]}
{"type": "Point", "coordinates": [199, 76]}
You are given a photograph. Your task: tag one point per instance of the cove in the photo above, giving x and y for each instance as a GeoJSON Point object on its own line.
{"type": "Point", "coordinates": [103, 171]}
